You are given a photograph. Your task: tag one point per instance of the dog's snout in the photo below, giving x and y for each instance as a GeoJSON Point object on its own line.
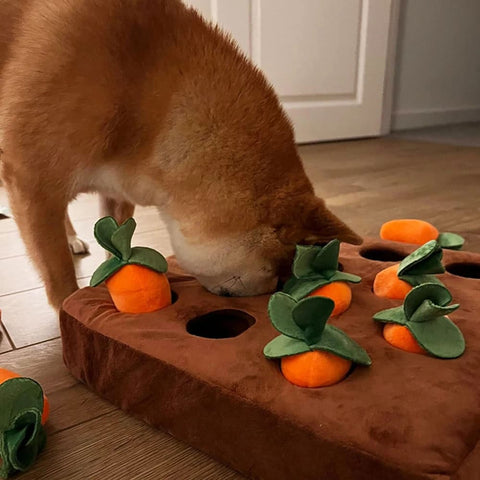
{"type": "Point", "coordinates": [224, 292]}
{"type": "Point", "coordinates": [280, 283]}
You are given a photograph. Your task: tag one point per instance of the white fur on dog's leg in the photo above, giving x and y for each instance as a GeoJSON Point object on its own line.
{"type": "Point", "coordinates": [77, 245]}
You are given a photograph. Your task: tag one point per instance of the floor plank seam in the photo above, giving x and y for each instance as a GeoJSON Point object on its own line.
{"type": "Point", "coordinates": [14, 292]}
{"type": "Point", "coordinates": [87, 239]}
{"type": "Point", "coordinates": [4, 332]}
{"type": "Point", "coordinates": [114, 409]}
{"type": "Point", "coordinates": [27, 256]}
{"type": "Point", "coordinates": [31, 344]}
{"type": "Point", "coordinates": [39, 287]}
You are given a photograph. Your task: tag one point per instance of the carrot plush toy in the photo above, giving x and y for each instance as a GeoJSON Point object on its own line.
{"type": "Point", "coordinates": [419, 267]}
{"type": "Point", "coordinates": [134, 276]}
{"type": "Point", "coordinates": [23, 412]}
{"type": "Point", "coordinates": [315, 273]}
{"type": "Point", "coordinates": [421, 325]}
{"type": "Point", "coordinates": [419, 232]}
{"type": "Point", "coordinates": [312, 353]}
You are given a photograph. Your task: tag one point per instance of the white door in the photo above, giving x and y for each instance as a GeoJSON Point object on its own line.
{"type": "Point", "coordinates": [325, 58]}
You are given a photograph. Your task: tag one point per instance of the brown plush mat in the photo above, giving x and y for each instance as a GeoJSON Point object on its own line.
{"type": "Point", "coordinates": [407, 417]}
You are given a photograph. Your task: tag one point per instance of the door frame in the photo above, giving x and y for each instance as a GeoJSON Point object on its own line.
{"type": "Point", "coordinates": [390, 69]}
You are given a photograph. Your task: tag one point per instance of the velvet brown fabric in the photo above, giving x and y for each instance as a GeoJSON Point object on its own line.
{"type": "Point", "coordinates": [407, 417]}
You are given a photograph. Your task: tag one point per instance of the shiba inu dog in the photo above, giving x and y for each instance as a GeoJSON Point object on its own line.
{"type": "Point", "coordinates": [146, 103]}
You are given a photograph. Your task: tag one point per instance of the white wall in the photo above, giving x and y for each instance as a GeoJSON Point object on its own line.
{"type": "Point", "coordinates": [437, 76]}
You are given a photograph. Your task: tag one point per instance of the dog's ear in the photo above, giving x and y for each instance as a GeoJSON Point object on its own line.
{"type": "Point", "coordinates": [311, 223]}
{"type": "Point", "coordinates": [320, 225]}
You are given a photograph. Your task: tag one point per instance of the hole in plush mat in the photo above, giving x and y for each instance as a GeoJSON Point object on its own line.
{"type": "Point", "coordinates": [220, 324]}
{"type": "Point", "coordinates": [382, 254]}
{"type": "Point", "coordinates": [468, 270]}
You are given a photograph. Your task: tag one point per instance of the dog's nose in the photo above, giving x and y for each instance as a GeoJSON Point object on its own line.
{"type": "Point", "coordinates": [280, 283]}
{"type": "Point", "coordinates": [225, 293]}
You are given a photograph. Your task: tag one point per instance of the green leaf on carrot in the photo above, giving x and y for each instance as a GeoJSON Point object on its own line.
{"type": "Point", "coordinates": [426, 260]}
{"type": "Point", "coordinates": [303, 325]}
{"type": "Point", "coordinates": [280, 310]}
{"type": "Point", "coordinates": [423, 313]}
{"type": "Point", "coordinates": [326, 260]}
{"type": "Point", "coordinates": [117, 239]}
{"type": "Point", "coordinates": [122, 238]}
{"type": "Point", "coordinates": [22, 436]}
{"type": "Point", "coordinates": [303, 262]}
{"type": "Point", "coordinates": [451, 241]}
{"type": "Point", "coordinates": [311, 315]}
{"type": "Point", "coordinates": [148, 257]}
{"type": "Point", "coordinates": [313, 267]}
{"type": "Point", "coordinates": [106, 270]}
{"type": "Point", "coordinates": [103, 231]}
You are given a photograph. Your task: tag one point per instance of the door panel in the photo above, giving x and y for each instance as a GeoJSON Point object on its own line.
{"type": "Point", "coordinates": [325, 58]}
{"type": "Point", "coordinates": [309, 51]}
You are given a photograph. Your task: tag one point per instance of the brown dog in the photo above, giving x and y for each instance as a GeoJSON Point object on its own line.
{"type": "Point", "coordinates": [146, 103]}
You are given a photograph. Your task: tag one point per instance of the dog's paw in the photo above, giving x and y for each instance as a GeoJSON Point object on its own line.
{"type": "Point", "coordinates": [77, 245]}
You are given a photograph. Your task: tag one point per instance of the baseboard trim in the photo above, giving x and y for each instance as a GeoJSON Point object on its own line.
{"type": "Point", "coordinates": [404, 120]}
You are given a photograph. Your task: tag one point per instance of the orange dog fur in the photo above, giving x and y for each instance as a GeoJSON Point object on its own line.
{"type": "Point", "coordinates": [144, 102]}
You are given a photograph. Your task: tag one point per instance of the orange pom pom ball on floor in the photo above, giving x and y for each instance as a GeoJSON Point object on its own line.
{"type": "Point", "coordinates": [7, 375]}
{"type": "Point", "coordinates": [401, 337]}
{"type": "Point", "coordinates": [315, 369]}
{"type": "Point", "coordinates": [388, 285]}
{"type": "Point", "coordinates": [409, 231]}
{"type": "Point", "coordinates": [138, 289]}
{"type": "Point", "coordinates": [339, 292]}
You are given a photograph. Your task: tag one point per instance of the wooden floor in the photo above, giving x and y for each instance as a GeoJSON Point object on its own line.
{"type": "Point", "coordinates": [365, 182]}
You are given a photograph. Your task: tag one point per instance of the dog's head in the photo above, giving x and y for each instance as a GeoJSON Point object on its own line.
{"type": "Point", "coordinates": [252, 261]}
{"type": "Point", "coordinates": [239, 199]}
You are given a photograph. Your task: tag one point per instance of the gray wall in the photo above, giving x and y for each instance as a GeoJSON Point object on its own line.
{"type": "Point", "coordinates": [437, 74]}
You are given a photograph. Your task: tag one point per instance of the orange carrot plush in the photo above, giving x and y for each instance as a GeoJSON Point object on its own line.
{"type": "Point", "coordinates": [419, 267]}
{"type": "Point", "coordinates": [312, 353]}
{"type": "Point", "coordinates": [315, 273]}
{"type": "Point", "coordinates": [135, 277]}
{"type": "Point", "coordinates": [419, 232]}
{"type": "Point", "coordinates": [23, 411]}
{"type": "Point", "coordinates": [420, 325]}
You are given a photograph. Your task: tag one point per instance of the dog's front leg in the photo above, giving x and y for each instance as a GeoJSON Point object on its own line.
{"type": "Point", "coordinates": [76, 244]}
{"type": "Point", "coordinates": [40, 216]}
{"type": "Point", "coordinates": [119, 210]}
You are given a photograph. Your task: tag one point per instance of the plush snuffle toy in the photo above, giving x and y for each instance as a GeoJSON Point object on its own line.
{"type": "Point", "coordinates": [315, 273]}
{"type": "Point", "coordinates": [419, 232]}
{"type": "Point", "coordinates": [134, 276]}
{"type": "Point", "coordinates": [420, 325]}
{"type": "Point", "coordinates": [24, 410]}
{"type": "Point", "coordinates": [419, 267]}
{"type": "Point", "coordinates": [312, 353]}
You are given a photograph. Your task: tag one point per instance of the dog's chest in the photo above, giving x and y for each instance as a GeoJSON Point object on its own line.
{"type": "Point", "coordinates": [134, 187]}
